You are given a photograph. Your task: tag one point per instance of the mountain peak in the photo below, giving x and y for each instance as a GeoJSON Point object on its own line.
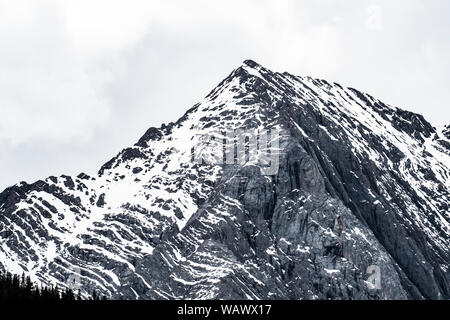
{"type": "Point", "coordinates": [251, 63]}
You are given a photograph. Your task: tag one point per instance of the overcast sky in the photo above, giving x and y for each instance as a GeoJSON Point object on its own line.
{"type": "Point", "coordinates": [80, 80]}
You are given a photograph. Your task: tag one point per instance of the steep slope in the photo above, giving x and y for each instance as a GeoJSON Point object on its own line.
{"type": "Point", "coordinates": [361, 187]}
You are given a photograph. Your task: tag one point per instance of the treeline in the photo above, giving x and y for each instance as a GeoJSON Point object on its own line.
{"type": "Point", "coordinates": [14, 287]}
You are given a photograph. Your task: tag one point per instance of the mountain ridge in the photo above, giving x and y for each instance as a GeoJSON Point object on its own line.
{"type": "Point", "coordinates": [148, 225]}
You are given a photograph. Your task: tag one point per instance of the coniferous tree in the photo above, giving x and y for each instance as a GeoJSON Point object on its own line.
{"type": "Point", "coordinates": [14, 287]}
{"type": "Point", "coordinates": [94, 295]}
{"type": "Point", "coordinates": [29, 285]}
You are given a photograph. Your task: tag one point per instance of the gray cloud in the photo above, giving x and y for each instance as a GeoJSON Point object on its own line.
{"type": "Point", "coordinates": [81, 79]}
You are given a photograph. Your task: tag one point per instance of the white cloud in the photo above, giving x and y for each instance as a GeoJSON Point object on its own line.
{"type": "Point", "coordinates": [56, 57]}
{"type": "Point", "coordinates": [374, 17]}
{"type": "Point", "coordinates": [81, 79]}
{"type": "Point", "coordinates": [102, 27]}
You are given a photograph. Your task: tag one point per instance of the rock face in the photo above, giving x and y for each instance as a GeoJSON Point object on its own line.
{"type": "Point", "coordinates": [358, 208]}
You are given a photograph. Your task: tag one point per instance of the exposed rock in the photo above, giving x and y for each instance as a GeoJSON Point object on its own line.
{"type": "Point", "coordinates": [358, 209]}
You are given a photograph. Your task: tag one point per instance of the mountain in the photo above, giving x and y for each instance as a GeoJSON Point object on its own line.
{"type": "Point", "coordinates": [344, 197]}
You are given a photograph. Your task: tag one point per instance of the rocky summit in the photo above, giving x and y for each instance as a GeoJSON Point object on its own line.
{"type": "Point", "coordinates": [357, 208]}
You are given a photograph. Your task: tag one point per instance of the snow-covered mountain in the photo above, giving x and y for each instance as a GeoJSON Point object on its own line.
{"type": "Point", "coordinates": [362, 192]}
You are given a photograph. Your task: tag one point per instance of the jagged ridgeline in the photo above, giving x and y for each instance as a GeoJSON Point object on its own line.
{"type": "Point", "coordinates": [357, 208]}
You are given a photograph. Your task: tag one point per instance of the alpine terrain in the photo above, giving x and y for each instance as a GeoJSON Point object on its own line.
{"type": "Point", "coordinates": [357, 208]}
